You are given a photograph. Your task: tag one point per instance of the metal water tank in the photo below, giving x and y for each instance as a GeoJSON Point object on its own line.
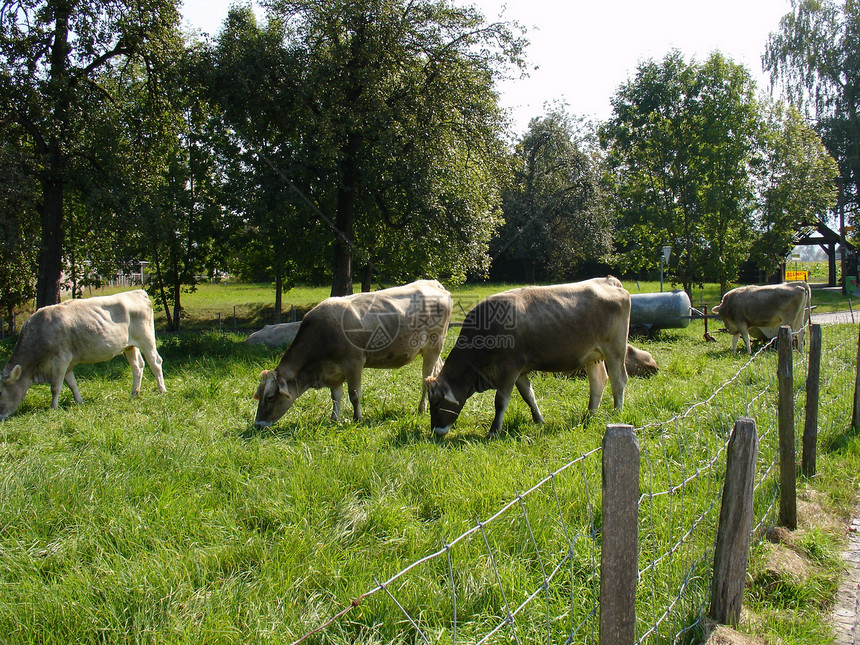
{"type": "Point", "coordinates": [652, 311]}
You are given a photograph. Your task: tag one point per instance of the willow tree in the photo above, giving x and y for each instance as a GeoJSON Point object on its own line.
{"type": "Point", "coordinates": [54, 53]}
{"type": "Point", "coordinates": [815, 56]}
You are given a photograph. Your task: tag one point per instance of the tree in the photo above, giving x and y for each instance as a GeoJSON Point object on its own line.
{"type": "Point", "coordinates": [399, 125]}
{"type": "Point", "coordinates": [253, 78]}
{"type": "Point", "coordinates": [53, 54]}
{"type": "Point", "coordinates": [18, 216]}
{"type": "Point", "coordinates": [797, 186]}
{"type": "Point", "coordinates": [553, 216]}
{"type": "Point", "coordinates": [815, 55]}
{"type": "Point", "coordinates": [681, 143]}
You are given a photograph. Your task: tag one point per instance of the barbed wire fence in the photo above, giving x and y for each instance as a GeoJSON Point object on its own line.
{"type": "Point", "coordinates": [531, 571]}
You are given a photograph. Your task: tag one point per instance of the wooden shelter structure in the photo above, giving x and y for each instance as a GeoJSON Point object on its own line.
{"type": "Point", "coordinates": [817, 233]}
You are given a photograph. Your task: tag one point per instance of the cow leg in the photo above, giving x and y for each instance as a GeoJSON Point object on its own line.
{"type": "Point", "coordinates": [617, 370]}
{"type": "Point", "coordinates": [154, 360]}
{"type": "Point", "coordinates": [73, 386]}
{"type": "Point", "coordinates": [503, 397]}
{"type": "Point", "coordinates": [336, 401]}
{"type": "Point", "coordinates": [353, 383]}
{"type": "Point", "coordinates": [746, 335]}
{"type": "Point", "coordinates": [431, 366]}
{"type": "Point", "coordinates": [735, 339]}
{"type": "Point", "coordinates": [597, 378]}
{"type": "Point", "coordinates": [60, 368]}
{"type": "Point", "coordinates": [524, 387]}
{"type": "Point", "coordinates": [132, 355]}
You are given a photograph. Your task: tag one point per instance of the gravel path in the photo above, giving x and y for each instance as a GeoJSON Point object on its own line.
{"type": "Point", "coordinates": [836, 317]}
{"type": "Point", "coordinates": [846, 624]}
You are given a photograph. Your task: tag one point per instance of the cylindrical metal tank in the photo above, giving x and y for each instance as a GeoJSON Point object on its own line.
{"type": "Point", "coordinates": [666, 310]}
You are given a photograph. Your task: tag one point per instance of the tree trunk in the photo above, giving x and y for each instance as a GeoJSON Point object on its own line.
{"type": "Point", "coordinates": [345, 223]}
{"type": "Point", "coordinates": [51, 249]}
{"type": "Point", "coordinates": [53, 182]}
{"type": "Point", "coordinates": [177, 305]}
{"type": "Point", "coordinates": [279, 300]}
{"type": "Point", "coordinates": [367, 277]}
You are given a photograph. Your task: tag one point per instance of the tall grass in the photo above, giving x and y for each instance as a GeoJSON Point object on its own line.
{"type": "Point", "coordinates": [170, 518]}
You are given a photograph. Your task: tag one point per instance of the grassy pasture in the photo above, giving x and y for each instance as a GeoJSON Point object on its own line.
{"type": "Point", "coordinates": [171, 519]}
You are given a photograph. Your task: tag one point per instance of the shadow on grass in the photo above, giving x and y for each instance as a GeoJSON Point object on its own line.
{"type": "Point", "coordinates": [840, 442]}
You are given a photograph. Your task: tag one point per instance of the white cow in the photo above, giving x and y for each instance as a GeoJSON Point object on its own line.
{"type": "Point", "coordinates": [759, 311]}
{"type": "Point", "coordinates": [56, 338]}
{"type": "Point", "coordinates": [274, 336]}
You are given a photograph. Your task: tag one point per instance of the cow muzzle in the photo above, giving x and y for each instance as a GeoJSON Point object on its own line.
{"type": "Point", "coordinates": [441, 432]}
{"type": "Point", "coordinates": [263, 424]}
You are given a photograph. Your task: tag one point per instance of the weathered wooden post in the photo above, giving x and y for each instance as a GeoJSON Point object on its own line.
{"type": "Point", "coordinates": [787, 460]}
{"type": "Point", "coordinates": [813, 385]}
{"type": "Point", "coordinates": [855, 417]}
{"type": "Point", "coordinates": [619, 570]}
{"type": "Point", "coordinates": [731, 552]}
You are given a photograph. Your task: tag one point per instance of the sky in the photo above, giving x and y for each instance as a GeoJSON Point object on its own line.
{"type": "Point", "coordinates": [581, 52]}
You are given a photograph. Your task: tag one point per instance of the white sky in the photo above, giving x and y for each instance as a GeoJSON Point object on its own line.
{"type": "Point", "coordinates": [582, 51]}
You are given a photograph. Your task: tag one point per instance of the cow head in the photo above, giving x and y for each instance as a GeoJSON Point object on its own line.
{"type": "Point", "coordinates": [12, 390]}
{"type": "Point", "coordinates": [275, 395]}
{"type": "Point", "coordinates": [444, 405]}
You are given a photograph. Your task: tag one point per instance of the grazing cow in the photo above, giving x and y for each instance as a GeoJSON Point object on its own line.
{"type": "Point", "coordinates": [274, 336]}
{"type": "Point", "coordinates": [341, 336]}
{"type": "Point", "coordinates": [639, 362]}
{"type": "Point", "coordinates": [760, 310]}
{"type": "Point", "coordinates": [558, 328]}
{"type": "Point", "coordinates": [56, 338]}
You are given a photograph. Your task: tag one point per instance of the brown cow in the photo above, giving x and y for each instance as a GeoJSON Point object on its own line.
{"type": "Point", "coordinates": [558, 328]}
{"type": "Point", "coordinates": [760, 310]}
{"type": "Point", "coordinates": [56, 338]}
{"type": "Point", "coordinates": [341, 336]}
{"type": "Point", "coordinates": [639, 362]}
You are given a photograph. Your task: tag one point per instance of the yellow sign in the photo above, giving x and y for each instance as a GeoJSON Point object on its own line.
{"type": "Point", "coordinates": [797, 275]}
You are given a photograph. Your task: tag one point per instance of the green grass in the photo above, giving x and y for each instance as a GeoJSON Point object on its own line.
{"type": "Point", "coordinates": [170, 518]}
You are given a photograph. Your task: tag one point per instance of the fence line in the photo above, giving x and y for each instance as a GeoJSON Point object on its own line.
{"type": "Point", "coordinates": [690, 552]}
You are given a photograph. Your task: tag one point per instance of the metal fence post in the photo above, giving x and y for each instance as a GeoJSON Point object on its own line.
{"type": "Point", "coordinates": [813, 383]}
{"type": "Point", "coordinates": [731, 551]}
{"type": "Point", "coordinates": [787, 460]}
{"type": "Point", "coordinates": [619, 556]}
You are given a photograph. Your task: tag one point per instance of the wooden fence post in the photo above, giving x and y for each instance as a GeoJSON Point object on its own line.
{"type": "Point", "coordinates": [731, 552]}
{"type": "Point", "coordinates": [813, 384]}
{"type": "Point", "coordinates": [619, 570]}
{"type": "Point", "coordinates": [787, 460]}
{"type": "Point", "coordinates": [855, 417]}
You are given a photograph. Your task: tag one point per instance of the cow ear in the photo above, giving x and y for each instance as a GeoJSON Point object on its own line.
{"type": "Point", "coordinates": [14, 375]}
{"type": "Point", "coordinates": [282, 386]}
{"type": "Point", "coordinates": [449, 396]}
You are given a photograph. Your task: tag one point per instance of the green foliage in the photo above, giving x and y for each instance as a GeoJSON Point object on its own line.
{"type": "Point", "coordinates": [386, 132]}
{"type": "Point", "coordinates": [554, 216]}
{"type": "Point", "coordinates": [797, 184]}
{"type": "Point", "coordinates": [680, 144]}
{"type": "Point", "coordinates": [816, 57]}
{"type": "Point", "coordinates": [55, 55]}
{"type": "Point", "coordinates": [18, 217]}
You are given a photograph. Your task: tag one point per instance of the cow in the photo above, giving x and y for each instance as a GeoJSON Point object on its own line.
{"type": "Point", "coordinates": [342, 335]}
{"type": "Point", "coordinates": [274, 336]}
{"type": "Point", "coordinates": [56, 338]}
{"type": "Point", "coordinates": [559, 328]}
{"type": "Point", "coordinates": [760, 310]}
{"type": "Point", "coordinates": [639, 362]}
